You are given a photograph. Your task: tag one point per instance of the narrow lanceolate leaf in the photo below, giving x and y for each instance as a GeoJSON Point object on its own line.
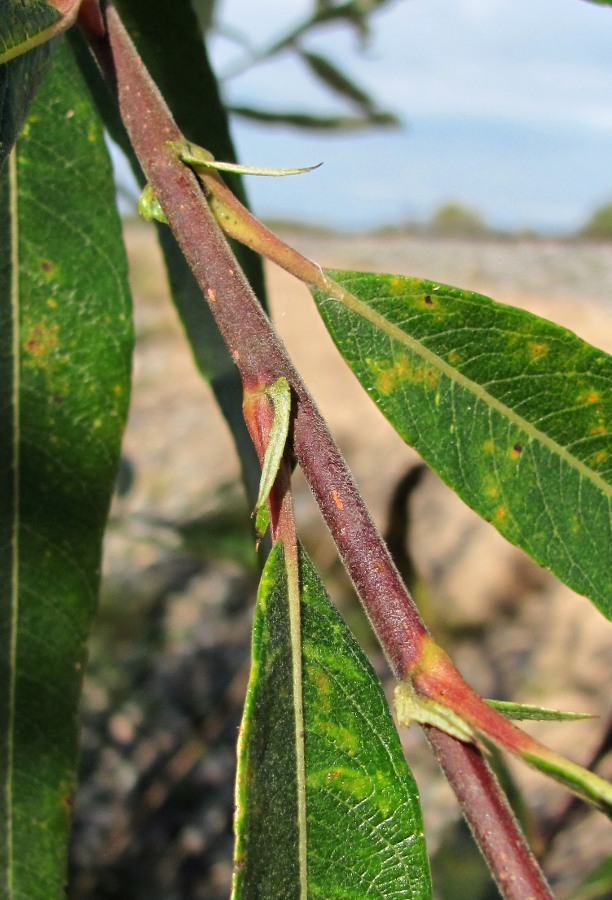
{"type": "Point", "coordinates": [24, 25]}
{"type": "Point", "coordinates": [65, 347]}
{"type": "Point", "coordinates": [513, 412]}
{"type": "Point", "coordinates": [20, 76]}
{"type": "Point", "coordinates": [364, 829]}
{"type": "Point", "coordinates": [523, 712]}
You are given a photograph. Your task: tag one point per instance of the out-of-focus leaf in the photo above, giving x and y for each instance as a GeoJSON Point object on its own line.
{"type": "Point", "coordinates": [315, 122]}
{"type": "Point", "coordinates": [597, 885]}
{"type": "Point", "coordinates": [364, 829]}
{"type": "Point", "coordinates": [513, 412]}
{"type": "Point", "coordinates": [335, 79]}
{"type": "Point", "coordinates": [65, 355]}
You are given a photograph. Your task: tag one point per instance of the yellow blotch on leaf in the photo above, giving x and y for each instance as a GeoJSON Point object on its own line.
{"type": "Point", "coordinates": [600, 457]}
{"type": "Point", "coordinates": [536, 350]}
{"type": "Point", "coordinates": [488, 446]}
{"type": "Point", "coordinates": [405, 371]}
{"type": "Point", "coordinates": [490, 486]}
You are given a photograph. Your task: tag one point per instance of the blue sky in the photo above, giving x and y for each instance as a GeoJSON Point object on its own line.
{"type": "Point", "coordinates": [506, 105]}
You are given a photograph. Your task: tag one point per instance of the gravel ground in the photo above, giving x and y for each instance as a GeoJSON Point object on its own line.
{"type": "Point", "coordinates": [170, 654]}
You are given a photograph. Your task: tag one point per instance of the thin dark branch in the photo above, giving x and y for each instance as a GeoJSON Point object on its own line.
{"type": "Point", "coordinates": [491, 820]}
{"type": "Point", "coordinates": [261, 360]}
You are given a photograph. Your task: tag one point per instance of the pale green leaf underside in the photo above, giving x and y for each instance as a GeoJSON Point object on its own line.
{"type": "Point", "coordinates": [513, 412]}
{"type": "Point", "coordinates": [280, 396]}
{"type": "Point", "coordinates": [364, 833]}
{"type": "Point", "coordinates": [65, 351]}
{"type": "Point", "coordinates": [523, 712]}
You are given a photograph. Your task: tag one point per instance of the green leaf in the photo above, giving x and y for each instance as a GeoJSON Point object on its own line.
{"type": "Point", "coordinates": [22, 23]}
{"type": "Point", "coordinates": [336, 79]}
{"type": "Point", "coordinates": [513, 412]}
{"type": "Point", "coordinates": [364, 832]}
{"type": "Point", "coordinates": [200, 158]}
{"type": "Point", "coordinates": [523, 712]}
{"type": "Point", "coordinates": [597, 885]}
{"type": "Point", "coordinates": [20, 77]}
{"type": "Point", "coordinates": [314, 122]}
{"type": "Point", "coordinates": [65, 351]}
{"type": "Point", "coordinates": [280, 396]}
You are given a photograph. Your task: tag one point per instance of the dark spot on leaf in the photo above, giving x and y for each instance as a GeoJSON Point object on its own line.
{"type": "Point", "coordinates": [518, 448]}
{"type": "Point", "coordinates": [428, 300]}
{"type": "Point", "coordinates": [57, 398]}
{"type": "Point", "coordinates": [46, 266]}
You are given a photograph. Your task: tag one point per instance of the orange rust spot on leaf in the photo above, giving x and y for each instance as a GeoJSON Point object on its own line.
{"type": "Point", "coordinates": [600, 457]}
{"type": "Point", "coordinates": [500, 513]}
{"type": "Point", "coordinates": [405, 371]}
{"type": "Point", "coordinates": [588, 397]}
{"type": "Point", "coordinates": [40, 341]}
{"type": "Point", "coordinates": [337, 500]}
{"type": "Point", "coordinates": [211, 295]}
{"type": "Point", "coordinates": [516, 451]}
{"type": "Point", "coordinates": [598, 429]}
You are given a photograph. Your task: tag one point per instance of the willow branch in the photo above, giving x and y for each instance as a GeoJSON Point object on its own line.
{"type": "Point", "coordinates": [261, 360]}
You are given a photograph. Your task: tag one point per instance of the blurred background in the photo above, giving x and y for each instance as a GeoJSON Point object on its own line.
{"type": "Point", "coordinates": [500, 105]}
{"type": "Point", "coordinates": [466, 141]}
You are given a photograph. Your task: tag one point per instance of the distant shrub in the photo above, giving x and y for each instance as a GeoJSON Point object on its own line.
{"type": "Point", "coordinates": [600, 223]}
{"type": "Point", "coordinates": [457, 220]}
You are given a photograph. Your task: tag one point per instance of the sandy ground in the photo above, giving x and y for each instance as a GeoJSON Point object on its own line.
{"type": "Point", "coordinates": [513, 630]}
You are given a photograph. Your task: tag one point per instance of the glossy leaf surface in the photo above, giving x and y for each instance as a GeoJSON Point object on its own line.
{"type": "Point", "coordinates": [513, 412]}
{"type": "Point", "coordinates": [364, 833]}
{"type": "Point", "coordinates": [65, 355]}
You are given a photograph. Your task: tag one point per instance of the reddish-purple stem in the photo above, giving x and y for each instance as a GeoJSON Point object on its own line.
{"type": "Point", "coordinates": [261, 360]}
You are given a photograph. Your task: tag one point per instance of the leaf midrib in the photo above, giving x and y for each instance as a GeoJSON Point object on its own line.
{"type": "Point", "coordinates": [395, 333]}
{"type": "Point", "coordinates": [14, 576]}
